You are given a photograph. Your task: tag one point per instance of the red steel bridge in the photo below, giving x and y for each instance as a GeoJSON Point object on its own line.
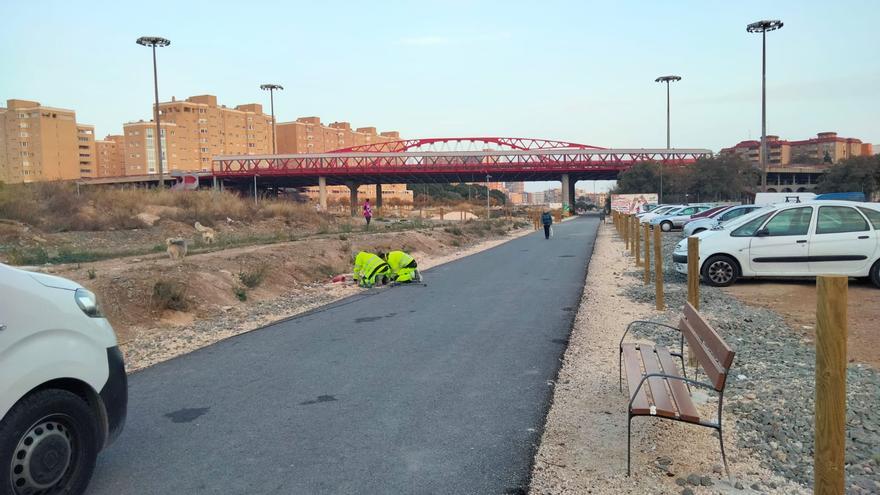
{"type": "Point", "coordinates": [471, 159]}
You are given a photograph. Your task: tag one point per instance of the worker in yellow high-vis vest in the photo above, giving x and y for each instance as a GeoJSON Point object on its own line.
{"type": "Point", "coordinates": [403, 267]}
{"type": "Point", "coordinates": [370, 269]}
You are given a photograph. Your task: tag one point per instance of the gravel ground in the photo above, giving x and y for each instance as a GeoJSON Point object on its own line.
{"type": "Point", "coordinates": [583, 448]}
{"type": "Point", "coordinates": [771, 388]}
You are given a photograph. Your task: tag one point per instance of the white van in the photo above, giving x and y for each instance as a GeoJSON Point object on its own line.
{"type": "Point", "coordinates": [63, 388]}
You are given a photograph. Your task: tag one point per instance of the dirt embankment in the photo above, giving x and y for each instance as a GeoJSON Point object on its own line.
{"type": "Point", "coordinates": [161, 307]}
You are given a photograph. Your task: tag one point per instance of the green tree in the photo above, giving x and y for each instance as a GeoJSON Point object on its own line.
{"type": "Point", "coordinates": [723, 177]}
{"type": "Point", "coordinates": [859, 173]}
{"type": "Point", "coordinates": [643, 177]}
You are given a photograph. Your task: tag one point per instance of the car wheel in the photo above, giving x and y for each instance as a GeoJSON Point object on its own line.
{"type": "Point", "coordinates": [697, 231]}
{"type": "Point", "coordinates": [666, 226]}
{"type": "Point", "coordinates": [48, 444]}
{"type": "Point", "coordinates": [720, 271]}
{"type": "Point", "coordinates": [875, 274]}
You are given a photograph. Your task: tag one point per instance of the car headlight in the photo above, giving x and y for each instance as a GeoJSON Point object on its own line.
{"type": "Point", "coordinates": [88, 303]}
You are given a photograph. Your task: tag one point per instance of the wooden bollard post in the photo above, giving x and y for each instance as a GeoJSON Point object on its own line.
{"type": "Point", "coordinates": [831, 330]}
{"type": "Point", "coordinates": [694, 271]}
{"type": "Point", "coordinates": [638, 247]}
{"type": "Point", "coordinates": [693, 282]}
{"type": "Point", "coordinates": [625, 225]}
{"type": "Point", "coordinates": [658, 270]}
{"type": "Point", "coordinates": [647, 254]}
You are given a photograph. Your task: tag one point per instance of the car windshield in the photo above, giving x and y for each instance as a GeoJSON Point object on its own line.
{"type": "Point", "coordinates": [736, 222]}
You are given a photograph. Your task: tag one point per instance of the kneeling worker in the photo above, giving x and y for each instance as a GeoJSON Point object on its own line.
{"type": "Point", "coordinates": [369, 269]}
{"type": "Point", "coordinates": [403, 267]}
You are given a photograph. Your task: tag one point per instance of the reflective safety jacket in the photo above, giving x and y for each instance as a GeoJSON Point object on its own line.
{"type": "Point", "coordinates": [368, 267]}
{"type": "Point", "coordinates": [403, 266]}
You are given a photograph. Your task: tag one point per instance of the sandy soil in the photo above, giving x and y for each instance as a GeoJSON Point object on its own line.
{"type": "Point", "coordinates": [796, 302]}
{"type": "Point", "coordinates": [583, 449]}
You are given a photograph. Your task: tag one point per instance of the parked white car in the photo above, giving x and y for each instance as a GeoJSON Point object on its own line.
{"type": "Point", "coordinates": [63, 388]}
{"type": "Point", "coordinates": [698, 225]}
{"type": "Point", "coordinates": [660, 210]}
{"type": "Point", "coordinates": [791, 240]}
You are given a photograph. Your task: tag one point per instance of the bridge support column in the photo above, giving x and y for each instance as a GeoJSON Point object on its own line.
{"type": "Point", "coordinates": [378, 195]}
{"type": "Point", "coordinates": [566, 199]}
{"type": "Point", "coordinates": [353, 197]}
{"type": "Point", "coordinates": [572, 195]}
{"type": "Point", "coordinates": [322, 193]}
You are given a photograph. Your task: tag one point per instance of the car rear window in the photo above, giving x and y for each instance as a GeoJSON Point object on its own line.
{"type": "Point", "coordinates": [873, 215]}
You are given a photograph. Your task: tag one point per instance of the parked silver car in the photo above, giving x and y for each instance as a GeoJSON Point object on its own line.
{"type": "Point", "coordinates": [676, 219]}
{"type": "Point", "coordinates": [706, 223]}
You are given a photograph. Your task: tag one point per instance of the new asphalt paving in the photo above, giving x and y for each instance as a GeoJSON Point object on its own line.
{"type": "Point", "coordinates": [441, 388]}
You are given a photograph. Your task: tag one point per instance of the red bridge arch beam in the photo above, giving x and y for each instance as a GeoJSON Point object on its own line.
{"type": "Point", "coordinates": [412, 164]}
{"type": "Point", "coordinates": [508, 142]}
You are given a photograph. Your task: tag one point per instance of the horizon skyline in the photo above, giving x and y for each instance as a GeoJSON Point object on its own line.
{"type": "Point", "coordinates": [574, 73]}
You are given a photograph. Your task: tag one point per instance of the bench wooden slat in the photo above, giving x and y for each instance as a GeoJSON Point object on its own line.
{"type": "Point", "coordinates": [631, 362]}
{"type": "Point", "coordinates": [686, 409]}
{"type": "Point", "coordinates": [719, 348]}
{"type": "Point", "coordinates": [662, 403]}
{"type": "Point", "coordinates": [713, 370]}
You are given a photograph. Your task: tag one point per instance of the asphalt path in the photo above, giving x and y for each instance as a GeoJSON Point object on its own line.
{"type": "Point", "coordinates": [441, 388]}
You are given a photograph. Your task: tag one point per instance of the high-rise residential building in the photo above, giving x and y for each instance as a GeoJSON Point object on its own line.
{"type": "Point", "coordinates": [85, 144]}
{"type": "Point", "coordinates": [39, 143]}
{"type": "Point", "coordinates": [826, 147]}
{"type": "Point", "coordinates": [140, 148]}
{"type": "Point", "coordinates": [110, 156]}
{"type": "Point", "coordinates": [516, 187]}
{"type": "Point", "coordinates": [309, 135]}
{"type": "Point", "coordinates": [202, 129]}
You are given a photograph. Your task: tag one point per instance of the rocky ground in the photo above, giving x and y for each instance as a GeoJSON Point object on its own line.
{"type": "Point", "coordinates": [771, 389]}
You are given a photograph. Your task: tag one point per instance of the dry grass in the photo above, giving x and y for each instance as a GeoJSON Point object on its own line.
{"type": "Point", "coordinates": [56, 207]}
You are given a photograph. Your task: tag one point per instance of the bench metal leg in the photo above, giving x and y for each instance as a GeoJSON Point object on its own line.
{"type": "Point", "coordinates": [723, 455]}
{"type": "Point", "coordinates": [628, 441]}
{"type": "Point", "coordinates": [620, 369]}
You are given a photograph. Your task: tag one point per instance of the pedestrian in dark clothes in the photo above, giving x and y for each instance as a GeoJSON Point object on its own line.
{"type": "Point", "coordinates": [547, 220]}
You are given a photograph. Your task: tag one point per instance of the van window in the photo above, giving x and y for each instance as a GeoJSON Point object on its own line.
{"type": "Point", "coordinates": [795, 221]}
{"type": "Point", "coordinates": [873, 216]}
{"type": "Point", "coordinates": [840, 219]}
{"type": "Point", "coordinates": [749, 228]}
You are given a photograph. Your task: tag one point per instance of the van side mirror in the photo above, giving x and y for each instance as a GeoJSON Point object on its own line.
{"type": "Point", "coordinates": [762, 232]}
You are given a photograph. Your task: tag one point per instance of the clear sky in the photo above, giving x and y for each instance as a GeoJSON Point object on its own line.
{"type": "Point", "coordinates": [576, 71]}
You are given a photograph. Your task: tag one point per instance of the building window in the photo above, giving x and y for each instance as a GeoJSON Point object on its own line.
{"type": "Point", "coordinates": [251, 145]}
{"type": "Point", "coordinates": [204, 150]}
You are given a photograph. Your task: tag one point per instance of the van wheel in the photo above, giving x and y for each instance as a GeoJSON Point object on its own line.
{"type": "Point", "coordinates": [48, 444]}
{"type": "Point", "coordinates": [875, 274]}
{"type": "Point", "coordinates": [720, 271]}
{"type": "Point", "coordinates": [666, 226]}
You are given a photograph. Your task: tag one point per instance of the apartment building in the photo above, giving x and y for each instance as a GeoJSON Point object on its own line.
{"type": "Point", "coordinates": [826, 147]}
{"type": "Point", "coordinates": [140, 148]}
{"type": "Point", "coordinates": [202, 129]}
{"type": "Point", "coordinates": [309, 135]}
{"type": "Point", "coordinates": [85, 144]}
{"type": "Point", "coordinates": [110, 156]}
{"type": "Point", "coordinates": [40, 143]}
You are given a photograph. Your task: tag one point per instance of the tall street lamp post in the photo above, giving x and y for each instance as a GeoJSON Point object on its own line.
{"type": "Point", "coordinates": [763, 27]}
{"type": "Point", "coordinates": [271, 88]}
{"type": "Point", "coordinates": [488, 214]}
{"type": "Point", "coordinates": [667, 80]}
{"type": "Point", "coordinates": [153, 42]}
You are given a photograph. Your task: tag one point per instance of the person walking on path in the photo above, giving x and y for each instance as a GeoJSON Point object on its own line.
{"type": "Point", "coordinates": [368, 211]}
{"type": "Point", "coordinates": [547, 220]}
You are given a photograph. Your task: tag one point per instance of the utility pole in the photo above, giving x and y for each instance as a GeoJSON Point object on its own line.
{"type": "Point", "coordinates": [271, 88]}
{"type": "Point", "coordinates": [488, 214]}
{"type": "Point", "coordinates": [667, 80]}
{"type": "Point", "coordinates": [763, 27]}
{"type": "Point", "coordinates": [153, 42]}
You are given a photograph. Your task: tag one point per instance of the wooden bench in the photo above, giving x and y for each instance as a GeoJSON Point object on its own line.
{"type": "Point", "coordinates": [667, 394]}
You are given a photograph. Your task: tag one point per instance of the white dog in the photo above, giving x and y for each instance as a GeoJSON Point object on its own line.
{"type": "Point", "coordinates": [208, 234]}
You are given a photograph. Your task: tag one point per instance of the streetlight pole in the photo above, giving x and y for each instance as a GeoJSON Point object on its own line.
{"type": "Point", "coordinates": [153, 42]}
{"type": "Point", "coordinates": [763, 27]}
{"type": "Point", "coordinates": [667, 80]}
{"type": "Point", "coordinates": [272, 88]}
{"type": "Point", "coordinates": [488, 215]}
